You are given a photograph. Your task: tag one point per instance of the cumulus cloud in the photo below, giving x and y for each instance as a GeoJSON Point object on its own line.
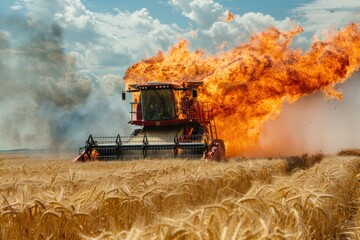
{"type": "Point", "coordinates": [237, 31]}
{"type": "Point", "coordinates": [100, 41]}
{"type": "Point", "coordinates": [202, 12]}
{"type": "Point", "coordinates": [16, 6]}
{"type": "Point", "coordinates": [40, 9]}
{"type": "Point", "coordinates": [110, 42]}
{"type": "Point", "coordinates": [211, 32]}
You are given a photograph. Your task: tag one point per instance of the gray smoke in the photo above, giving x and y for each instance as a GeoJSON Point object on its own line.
{"type": "Point", "coordinates": [44, 103]}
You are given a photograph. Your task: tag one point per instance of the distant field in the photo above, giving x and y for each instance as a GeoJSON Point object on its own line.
{"type": "Point", "coordinates": [307, 197]}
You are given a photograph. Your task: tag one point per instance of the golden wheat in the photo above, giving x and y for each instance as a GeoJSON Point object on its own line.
{"type": "Point", "coordinates": [293, 198]}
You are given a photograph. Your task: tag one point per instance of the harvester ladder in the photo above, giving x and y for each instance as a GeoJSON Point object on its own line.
{"type": "Point", "coordinates": [213, 129]}
{"type": "Point", "coordinates": [212, 126]}
{"type": "Point", "coordinates": [208, 117]}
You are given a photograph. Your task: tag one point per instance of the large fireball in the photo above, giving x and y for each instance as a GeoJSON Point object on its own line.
{"type": "Point", "coordinates": [247, 85]}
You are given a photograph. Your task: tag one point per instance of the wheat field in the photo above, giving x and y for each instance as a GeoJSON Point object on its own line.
{"type": "Point", "coordinates": [305, 197]}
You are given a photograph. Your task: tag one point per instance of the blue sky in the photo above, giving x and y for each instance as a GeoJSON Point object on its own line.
{"type": "Point", "coordinates": [68, 57]}
{"type": "Point", "coordinates": [167, 14]}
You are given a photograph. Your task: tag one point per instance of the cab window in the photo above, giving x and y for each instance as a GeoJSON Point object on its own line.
{"type": "Point", "coordinates": [158, 104]}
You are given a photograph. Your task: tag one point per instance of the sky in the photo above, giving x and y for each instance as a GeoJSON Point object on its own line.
{"type": "Point", "coordinates": [62, 61]}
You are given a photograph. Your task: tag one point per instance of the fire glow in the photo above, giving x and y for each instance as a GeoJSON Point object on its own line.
{"type": "Point", "coordinates": [248, 84]}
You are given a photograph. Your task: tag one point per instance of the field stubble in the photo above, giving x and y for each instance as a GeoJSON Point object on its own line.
{"type": "Point", "coordinates": [293, 198]}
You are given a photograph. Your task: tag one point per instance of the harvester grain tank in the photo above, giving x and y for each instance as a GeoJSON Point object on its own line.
{"type": "Point", "coordinates": [173, 123]}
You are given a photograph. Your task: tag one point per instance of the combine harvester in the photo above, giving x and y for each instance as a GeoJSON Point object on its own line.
{"type": "Point", "coordinates": [173, 124]}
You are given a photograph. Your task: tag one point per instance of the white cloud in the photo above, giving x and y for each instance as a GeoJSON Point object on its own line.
{"type": "Point", "coordinates": [316, 18]}
{"type": "Point", "coordinates": [239, 30]}
{"type": "Point", "coordinates": [113, 39]}
{"type": "Point", "coordinates": [211, 31]}
{"type": "Point", "coordinates": [42, 10]}
{"type": "Point", "coordinates": [326, 14]}
{"type": "Point", "coordinates": [103, 43]}
{"type": "Point", "coordinates": [203, 12]}
{"type": "Point", "coordinates": [17, 6]}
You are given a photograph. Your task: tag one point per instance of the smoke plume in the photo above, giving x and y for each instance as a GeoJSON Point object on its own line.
{"type": "Point", "coordinates": [44, 102]}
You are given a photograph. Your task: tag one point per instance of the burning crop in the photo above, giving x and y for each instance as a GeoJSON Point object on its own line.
{"type": "Point", "coordinates": [248, 84]}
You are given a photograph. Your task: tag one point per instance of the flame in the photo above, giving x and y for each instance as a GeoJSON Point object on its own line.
{"type": "Point", "coordinates": [247, 85]}
{"type": "Point", "coordinates": [229, 17]}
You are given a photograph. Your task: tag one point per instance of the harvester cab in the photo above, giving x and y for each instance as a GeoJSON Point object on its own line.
{"type": "Point", "coordinates": [171, 121]}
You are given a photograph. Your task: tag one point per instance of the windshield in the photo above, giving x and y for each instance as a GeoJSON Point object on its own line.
{"type": "Point", "coordinates": [158, 104]}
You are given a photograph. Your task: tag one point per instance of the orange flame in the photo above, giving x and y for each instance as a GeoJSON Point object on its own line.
{"type": "Point", "coordinates": [229, 17]}
{"type": "Point", "coordinates": [247, 85]}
